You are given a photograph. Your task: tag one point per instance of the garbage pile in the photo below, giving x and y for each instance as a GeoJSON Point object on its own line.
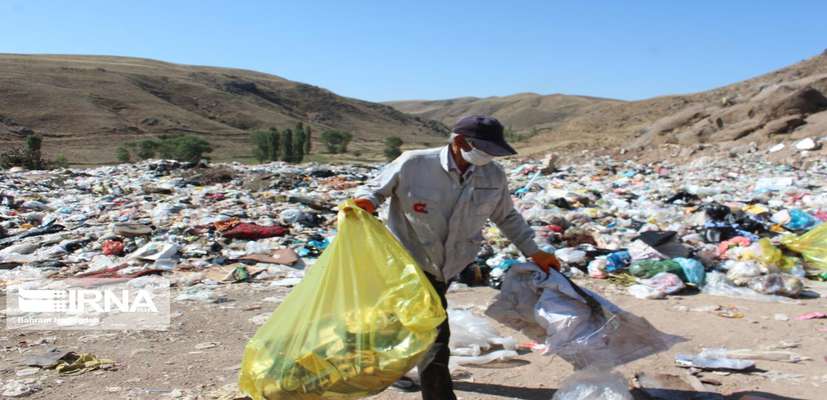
{"type": "Point", "coordinates": [738, 226]}
{"type": "Point", "coordinates": [199, 225]}
{"type": "Point", "coordinates": [734, 226]}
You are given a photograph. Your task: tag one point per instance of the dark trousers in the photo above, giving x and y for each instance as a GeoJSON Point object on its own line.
{"type": "Point", "coordinates": [434, 375]}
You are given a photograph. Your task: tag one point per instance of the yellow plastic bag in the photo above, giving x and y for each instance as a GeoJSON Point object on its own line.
{"type": "Point", "coordinates": [362, 317]}
{"type": "Point", "coordinates": [812, 245]}
{"type": "Point", "coordinates": [770, 255]}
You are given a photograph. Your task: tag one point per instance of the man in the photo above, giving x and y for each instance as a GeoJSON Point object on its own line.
{"type": "Point", "coordinates": [440, 201]}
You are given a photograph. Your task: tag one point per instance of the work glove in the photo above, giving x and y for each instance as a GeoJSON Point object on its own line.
{"type": "Point", "coordinates": [545, 261]}
{"type": "Point", "coordinates": [366, 205]}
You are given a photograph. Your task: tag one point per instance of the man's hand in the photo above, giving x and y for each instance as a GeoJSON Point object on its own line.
{"type": "Point", "coordinates": [366, 205]}
{"type": "Point", "coordinates": [545, 261]}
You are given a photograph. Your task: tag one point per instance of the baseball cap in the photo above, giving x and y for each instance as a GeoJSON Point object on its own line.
{"type": "Point", "coordinates": [484, 133]}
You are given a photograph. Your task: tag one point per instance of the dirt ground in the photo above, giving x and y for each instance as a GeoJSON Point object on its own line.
{"type": "Point", "coordinates": [175, 364]}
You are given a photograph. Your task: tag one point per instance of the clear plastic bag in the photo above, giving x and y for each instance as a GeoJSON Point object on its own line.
{"type": "Point", "coordinates": [580, 326]}
{"type": "Point", "coordinates": [363, 316]}
{"type": "Point", "coordinates": [666, 282]}
{"type": "Point", "coordinates": [471, 334]}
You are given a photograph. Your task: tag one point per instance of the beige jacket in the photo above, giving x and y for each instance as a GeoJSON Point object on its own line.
{"type": "Point", "coordinates": [439, 215]}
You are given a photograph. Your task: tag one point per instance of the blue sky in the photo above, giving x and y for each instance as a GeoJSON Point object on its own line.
{"type": "Point", "coordinates": [390, 50]}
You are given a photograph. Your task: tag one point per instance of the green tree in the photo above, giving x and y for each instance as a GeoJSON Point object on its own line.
{"type": "Point", "coordinates": [392, 147]}
{"type": "Point", "coordinates": [308, 146]}
{"type": "Point", "coordinates": [122, 153]}
{"type": "Point", "coordinates": [34, 157]}
{"type": "Point", "coordinates": [275, 144]}
{"type": "Point", "coordinates": [287, 140]}
{"type": "Point", "coordinates": [261, 145]}
{"type": "Point", "coordinates": [298, 146]}
{"type": "Point", "coordinates": [393, 141]}
{"type": "Point", "coordinates": [180, 148]}
{"type": "Point", "coordinates": [336, 141]}
{"type": "Point", "coordinates": [146, 149]}
{"type": "Point", "coordinates": [512, 135]}
{"type": "Point", "coordinates": [185, 148]}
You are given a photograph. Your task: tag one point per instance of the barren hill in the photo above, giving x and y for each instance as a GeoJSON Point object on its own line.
{"type": "Point", "coordinates": [522, 112]}
{"type": "Point", "coordinates": [787, 104]}
{"type": "Point", "coordinates": [85, 106]}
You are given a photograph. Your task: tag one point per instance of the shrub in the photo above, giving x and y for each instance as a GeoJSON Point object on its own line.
{"type": "Point", "coordinates": [179, 148]}
{"type": "Point", "coordinates": [122, 154]}
{"type": "Point", "coordinates": [183, 148]}
{"type": "Point", "coordinates": [60, 162]}
{"type": "Point", "coordinates": [392, 145]}
{"type": "Point", "coordinates": [336, 141]}
{"type": "Point", "coordinates": [145, 149]}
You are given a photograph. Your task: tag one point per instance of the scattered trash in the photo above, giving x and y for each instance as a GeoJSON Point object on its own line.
{"type": "Point", "coordinates": [67, 362]}
{"type": "Point", "coordinates": [667, 386]}
{"type": "Point", "coordinates": [811, 315]}
{"type": "Point", "coordinates": [766, 355]}
{"type": "Point", "coordinates": [713, 359]}
{"type": "Point", "coordinates": [499, 355]}
{"type": "Point", "coordinates": [646, 292]}
{"type": "Point", "coordinates": [471, 335]}
{"type": "Point", "coordinates": [206, 345]}
{"type": "Point", "coordinates": [593, 385]}
{"type": "Point", "coordinates": [15, 388]}
{"type": "Point", "coordinates": [806, 144]}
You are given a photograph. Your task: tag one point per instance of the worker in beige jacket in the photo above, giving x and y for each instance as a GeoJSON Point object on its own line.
{"type": "Point", "coordinates": [440, 199]}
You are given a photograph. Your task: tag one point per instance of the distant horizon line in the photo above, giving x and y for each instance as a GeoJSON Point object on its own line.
{"type": "Point", "coordinates": [524, 93]}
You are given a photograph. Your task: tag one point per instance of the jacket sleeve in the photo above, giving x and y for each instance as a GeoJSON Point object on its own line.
{"type": "Point", "coordinates": [381, 187]}
{"type": "Point", "coordinates": [512, 224]}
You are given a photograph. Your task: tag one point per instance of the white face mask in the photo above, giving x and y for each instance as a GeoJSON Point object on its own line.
{"type": "Point", "coordinates": [476, 156]}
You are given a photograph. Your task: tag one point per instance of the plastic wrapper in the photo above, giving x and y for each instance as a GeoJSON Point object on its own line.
{"type": "Point", "coordinates": [363, 316]}
{"type": "Point", "coordinates": [800, 220]}
{"type": "Point", "coordinates": [778, 284]}
{"type": "Point", "coordinates": [713, 359]}
{"type": "Point", "coordinates": [693, 270]}
{"type": "Point", "coordinates": [593, 385]}
{"type": "Point", "coordinates": [741, 273]}
{"type": "Point", "coordinates": [812, 245]}
{"type": "Point", "coordinates": [717, 285]}
{"type": "Point", "coordinates": [650, 268]}
{"type": "Point", "coordinates": [644, 292]}
{"type": "Point", "coordinates": [771, 256]}
{"type": "Point", "coordinates": [499, 355]}
{"type": "Point", "coordinates": [580, 326]}
{"type": "Point", "coordinates": [666, 282]}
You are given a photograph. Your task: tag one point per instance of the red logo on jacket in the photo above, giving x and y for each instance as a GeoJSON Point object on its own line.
{"type": "Point", "coordinates": [420, 208]}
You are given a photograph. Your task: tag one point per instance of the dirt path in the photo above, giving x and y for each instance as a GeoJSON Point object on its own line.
{"type": "Point", "coordinates": [180, 364]}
